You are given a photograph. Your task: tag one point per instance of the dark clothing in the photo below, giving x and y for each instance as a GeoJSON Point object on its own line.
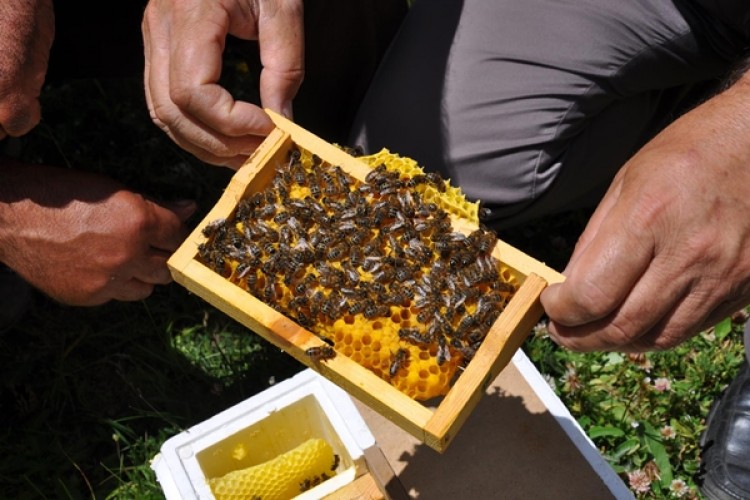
{"type": "Point", "coordinates": [532, 106]}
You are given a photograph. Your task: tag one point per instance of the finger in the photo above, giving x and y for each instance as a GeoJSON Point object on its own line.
{"type": "Point", "coordinates": [193, 136]}
{"type": "Point", "coordinates": [692, 315]}
{"type": "Point", "coordinates": [603, 275]}
{"type": "Point", "coordinates": [152, 268]}
{"type": "Point", "coordinates": [131, 290]}
{"type": "Point", "coordinates": [282, 53]}
{"type": "Point", "coordinates": [195, 69]}
{"type": "Point", "coordinates": [209, 147]}
{"type": "Point", "coordinates": [184, 209]}
{"type": "Point", "coordinates": [634, 327]}
{"type": "Point", "coordinates": [19, 114]}
{"type": "Point", "coordinates": [166, 230]}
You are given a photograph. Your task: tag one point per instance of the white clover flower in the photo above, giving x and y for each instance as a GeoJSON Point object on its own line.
{"type": "Point", "coordinates": [668, 432]}
{"type": "Point", "coordinates": [540, 330]}
{"type": "Point", "coordinates": [634, 424]}
{"type": "Point", "coordinates": [570, 378]}
{"type": "Point", "coordinates": [662, 384]}
{"type": "Point", "coordinates": [639, 481]}
{"type": "Point", "coordinates": [679, 488]}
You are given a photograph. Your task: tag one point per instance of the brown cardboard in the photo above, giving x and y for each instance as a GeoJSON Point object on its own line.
{"type": "Point", "coordinates": [511, 447]}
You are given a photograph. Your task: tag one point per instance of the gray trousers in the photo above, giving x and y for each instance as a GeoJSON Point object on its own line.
{"type": "Point", "coordinates": [533, 105]}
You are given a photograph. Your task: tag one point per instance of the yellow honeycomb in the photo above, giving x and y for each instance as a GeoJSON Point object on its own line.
{"type": "Point", "coordinates": [452, 200]}
{"type": "Point", "coordinates": [388, 343]}
{"type": "Point", "coordinates": [281, 478]}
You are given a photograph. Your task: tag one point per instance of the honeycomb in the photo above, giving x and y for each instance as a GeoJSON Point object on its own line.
{"type": "Point", "coordinates": [452, 199]}
{"type": "Point", "coordinates": [281, 478]}
{"type": "Point", "coordinates": [373, 268]}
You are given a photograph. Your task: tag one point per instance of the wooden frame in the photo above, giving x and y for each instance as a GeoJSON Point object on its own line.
{"type": "Point", "coordinates": [435, 427]}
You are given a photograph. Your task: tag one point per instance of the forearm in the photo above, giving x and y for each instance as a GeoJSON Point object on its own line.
{"type": "Point", "coordinates": [21, 185]}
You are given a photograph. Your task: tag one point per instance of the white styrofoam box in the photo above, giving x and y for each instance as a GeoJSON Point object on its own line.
{"type": "Point", "coordinates": [259, 429]}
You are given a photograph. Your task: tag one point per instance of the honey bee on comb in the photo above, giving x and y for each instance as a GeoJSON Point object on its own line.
{"type": "Point", "coordinates": [375, 266]}
{"type": "Point", "coordinates": [321, 353]}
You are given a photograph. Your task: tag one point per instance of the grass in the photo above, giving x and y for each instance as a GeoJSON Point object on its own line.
{"type": "Point", "coordinates": [89, 395]}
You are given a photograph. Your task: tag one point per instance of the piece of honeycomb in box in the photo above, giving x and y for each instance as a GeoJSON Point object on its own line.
{"type": "Point", "coordinates": [281, 478]}
{"type": "Point", "coordinates": [374, 268]}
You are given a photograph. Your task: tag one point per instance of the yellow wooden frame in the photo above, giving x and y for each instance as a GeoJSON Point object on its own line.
{"type": "Point", "coordinates": [435, 427]}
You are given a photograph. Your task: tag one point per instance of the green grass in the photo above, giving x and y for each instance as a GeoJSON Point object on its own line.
{"type": "Point", "coordinates": [88, 395]}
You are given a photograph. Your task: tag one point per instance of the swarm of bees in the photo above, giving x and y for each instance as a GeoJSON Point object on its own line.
{"type": "Point", "coordinates": [323, 247]}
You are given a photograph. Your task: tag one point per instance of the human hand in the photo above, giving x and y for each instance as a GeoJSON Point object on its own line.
{"type": "Point", "coordinates": [184, 41]}
{"type": "Point", "coordinates": [667, 252]}
{"type": "Point", "coordinates": [26, 32]}
{"type": "Point", "coordinates": [84, 239]}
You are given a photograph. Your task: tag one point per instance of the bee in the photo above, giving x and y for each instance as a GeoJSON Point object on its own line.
{"type": "Point", "coordinates": [376, 311]}
{"type": "Point", "coordinates": [294, 155]}
{"type": "Point", "coordinates": [301, 288]}
{"type": "Point", "coordinates": [374, 246]}
{"type": "Point", "coordinates": [270, 196]}
{"type": "Point", "coordinates": [321, 353]}
{"type": "Point", "coordinates": [468, 352]}
{"type": "Point", "coordinates": [243, 268]}
{"type": "Point", "coordinates": [375, 174]}
{"type": "Point", "coordinates": [351, 273]}
{"type": "Point", "coordinates": [436, 180]}
{"type": "Point", "coordinates": [332, 278]}
{"type": "Point", "coordinates": [414, 335]}
{"type": "Point", "coordinates": [467, 323]}
{"type": "Point", "coordinates": [327, 177]}
{"type": "Point", "coordinates": [342, 177]}
{"type": "Point", "coordinates": [404, 274]}
{"type": "Point", "coordinates": [304, 320]}
{"type": "Point", "coordinates": [336, 252]}
{"type": "Point", "coordinates": [269, 292]}
{"type": "Point", "coordinates": [355, 150]}
{"type": "Point", "coordinates": [268, 247]}
{"type": "Point", "coordinates": [427, 310]}
{"type": "Point", "coordinates": [399, 360]}
{"type": "Point", "coordinates": [216, 228]}
{"type": "Point", "coordinates": [303, 486]}
{"type": "Point", "coordinates": [481, 241]}
{"type": "Point", "coordinates": [281, 218]}
{"type": "Point", "coordinates": [244, 209]}
{"type": "Point", "coordinates": [443, 352]}
{"type": "Point", "coordinates": [258, 199]}
{"type": "Point", "coordinates": [266, 211]}
{"type": "Point", "coordinates": [356, 255]}
{"type": "Point", "coordinates": [386, 274]}
{"type": "Point", "coordinates": [316, 302]}
{"type": "Point", "coordinates": [332, 305]}
{"type": "Point", "coordinates": [357, 306]}
{"type": "Point", "coordinates": [314, 185]}
{"type": "Point", "coordinates": [299, 176]}
{"type": "Point", "coordinates": [251, 280]}
{"type": "Point", "coordinates": [281, 186]}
